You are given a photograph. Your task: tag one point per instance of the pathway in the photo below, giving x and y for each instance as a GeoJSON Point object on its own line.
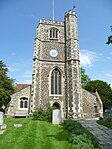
{"type": "Point", "coordinates": [103, 134]}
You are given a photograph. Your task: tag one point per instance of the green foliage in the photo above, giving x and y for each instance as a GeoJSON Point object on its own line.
{"type": "Point", "coordinates": [84, 77]}
{"type": "Point", "coordinates": [107, 123]}
{"type": "Point", "coordinates": [80, 137]}
{"type": "Point", "coordinates": [43, 115]}
{"type": "Point", "coordinates": [6, 85]}
{"type": "Point", "coordinates": [81, 142]}
{"type": "Point", "coordinates": [109, 38]}
{"type": "Point", "coordinates": [104, 90]}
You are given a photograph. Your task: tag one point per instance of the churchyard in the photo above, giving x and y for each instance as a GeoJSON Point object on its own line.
{"type": "Point", "coordinates": [27, 133]}
{"type": "Point", "coordinates": [47, 130]}
{"type": "Point", "coordinates": [32, 134]}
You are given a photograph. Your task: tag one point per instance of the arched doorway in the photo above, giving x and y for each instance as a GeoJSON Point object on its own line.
{"type": "Point", "coordinates": [56, 106]}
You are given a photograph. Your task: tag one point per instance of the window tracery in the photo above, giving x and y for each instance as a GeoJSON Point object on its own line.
{"type": "Point", "coordinates": [23, 102]}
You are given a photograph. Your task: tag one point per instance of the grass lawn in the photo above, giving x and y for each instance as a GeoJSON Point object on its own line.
{"type": "Point", "coordinates": [33, 135]}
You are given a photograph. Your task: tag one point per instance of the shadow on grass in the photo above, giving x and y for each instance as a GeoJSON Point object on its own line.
{"type": "Point", "coordinates": [63, 135]}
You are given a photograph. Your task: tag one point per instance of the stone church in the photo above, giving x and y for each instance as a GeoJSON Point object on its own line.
{"type": "Point", "coordinates": [56, 74]}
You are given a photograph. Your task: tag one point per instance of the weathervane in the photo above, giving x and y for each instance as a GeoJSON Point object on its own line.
{"type": "Point", "coordinates": [72, 8]}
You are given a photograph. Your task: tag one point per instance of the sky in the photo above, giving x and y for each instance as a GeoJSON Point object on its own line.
{"type": "Point", "coordinates": [18, 22]}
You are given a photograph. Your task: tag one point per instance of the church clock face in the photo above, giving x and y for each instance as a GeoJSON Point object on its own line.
{"type": "Point", "coordinates": [53, 53]}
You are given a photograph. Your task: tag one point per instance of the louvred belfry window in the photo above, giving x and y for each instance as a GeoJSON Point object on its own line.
{"type": "Point", "coordinates": [54, 33]}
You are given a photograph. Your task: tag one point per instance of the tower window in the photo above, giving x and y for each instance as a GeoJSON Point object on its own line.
{"type": "Point", "coordinates": [56, 82]}
{"type": "Point", "coordinates": [24, 102]}
{"type": "Point", "coordinates": [53, 33]}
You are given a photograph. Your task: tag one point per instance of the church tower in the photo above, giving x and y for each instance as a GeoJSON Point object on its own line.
{"type": "Point", "coordinates": [56, 72]}
{"type": "Point", "coordinates": [48, 78]}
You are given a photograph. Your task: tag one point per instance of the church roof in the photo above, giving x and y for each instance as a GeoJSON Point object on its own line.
{"type": "Point", "coordinates": [94, 94]}
{"type": "Point", "coordinates": [19, 87]}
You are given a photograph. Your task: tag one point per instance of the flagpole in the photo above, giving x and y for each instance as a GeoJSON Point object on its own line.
{"type": "Point", "coordinates": [53, 10]}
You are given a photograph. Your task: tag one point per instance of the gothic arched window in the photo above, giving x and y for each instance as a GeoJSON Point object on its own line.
{"type": "Point", "coordinates": [23, 102]}
{"type": "Point", "coordinates": [56, 82]}
{"type": "Point", "coordinates": [53, 33]}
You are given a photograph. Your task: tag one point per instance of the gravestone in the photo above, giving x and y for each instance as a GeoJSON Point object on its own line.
{"type": "Point", "coordinates": [56, 117]}
{"type": "Point", "coordinates": [2, 132]}
{"type": "Point", "coordinates": [1, 123]}
{"type": "Point", "coordinates": [1, 118]}
{"type": "Point", "coordinates": [107, 115]}
{"type": "Point", "coordinates": [17, 125]}
{"type": "Point", "coordinates": [4, 126]}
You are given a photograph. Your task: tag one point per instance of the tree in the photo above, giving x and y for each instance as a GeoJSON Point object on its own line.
{"type": "Point", "coordinates": [109, 38]}
{"type": "Point", "coordinates": [84, 77]}
{"type": "Point", "coordinates": [104, 89]}
{"type": "Point", "coordinates": [6, 85]}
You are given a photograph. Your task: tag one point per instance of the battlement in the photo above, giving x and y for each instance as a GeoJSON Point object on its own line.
{"type": "Point", "coordinates": [51, 22]}
{"type": "Point", "coordinates": [70, 12]}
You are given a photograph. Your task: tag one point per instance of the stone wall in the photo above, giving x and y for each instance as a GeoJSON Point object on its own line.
{"type": "Point", "coordinates": [14, 104]}
{"type": "Point", "coordinates": [92, 105]}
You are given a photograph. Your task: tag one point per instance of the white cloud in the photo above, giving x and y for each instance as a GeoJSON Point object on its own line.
{"type": "Point", "coordinates": [27, 74]}
{"type": "Point", "coordinates": [87, 57]}
{"type": "Point", "coordinates": [108, 78]}
{"type": "Point", "coordinates": [100, 54]}
{"type": "Point", "coordinates": [23, 81]}
{"type": "Point", "coordinates": [11, 69]}
{"type": "Point", "coordinates": [109, 57]}
{"type": "Point", "coordinates": [27, 81]}
{"type": "Point", "coordinates": [13, 54]}
{"type": "Point", "coordinates": [23, 76]}
{"type": "Point", "coordinates": [108, 75]}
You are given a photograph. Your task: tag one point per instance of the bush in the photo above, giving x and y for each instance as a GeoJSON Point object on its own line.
{"type": "Point", "coordinates": [81, 142]}
{"type": "Point", "coordinates": [101, 118]}
{"type": "Point", "coordinates": [80, 137]}
{"type": "Point", "coordinates": [106, 122]}
{"type": "Point", "coordinates": [43, 115]}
